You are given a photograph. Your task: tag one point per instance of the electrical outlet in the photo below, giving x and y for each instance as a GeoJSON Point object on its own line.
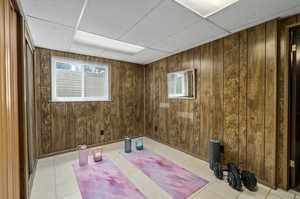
{"type": "Point", "coordinates": [102, 132]}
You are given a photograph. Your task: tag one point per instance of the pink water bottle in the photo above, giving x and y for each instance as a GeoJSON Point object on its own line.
{"type": "Point", "coordinates": [83, 155]}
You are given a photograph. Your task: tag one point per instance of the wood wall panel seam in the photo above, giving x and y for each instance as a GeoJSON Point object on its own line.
{"type": "Point", "coordinates": [265, 85]}
{"type": "Point", "coordinates": [239, 75]}
{"type": "Point", "coordinates": [243, 66]}
{"type": "Point", "coordinates": [256, 104]}
{"type": "Point", "coordinates": [271, 104]}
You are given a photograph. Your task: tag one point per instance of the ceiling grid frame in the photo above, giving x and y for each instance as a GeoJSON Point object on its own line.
{"type": "Point", "coordinates": [151, 52]}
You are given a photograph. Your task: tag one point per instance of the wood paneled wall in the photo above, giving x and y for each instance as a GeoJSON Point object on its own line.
{"type": "Point", "coordinates": [9, 111]}
{"type": "Point", "coordinates": [235, 101]}
{"type": "Point", "coordinates": [63, 126]}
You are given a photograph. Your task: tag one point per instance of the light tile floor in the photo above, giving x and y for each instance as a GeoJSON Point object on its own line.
{"type": "Point", "coordinates": [55, 178]}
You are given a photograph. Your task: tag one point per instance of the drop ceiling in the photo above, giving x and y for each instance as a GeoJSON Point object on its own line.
{"type": "Point", "coordinates": [163, 27]}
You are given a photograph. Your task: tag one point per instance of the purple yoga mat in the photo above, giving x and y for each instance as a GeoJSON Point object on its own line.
{"type": "Point", "coordinates": [104, 180]}
{"type": "Point", "coordinates": [177, 181]}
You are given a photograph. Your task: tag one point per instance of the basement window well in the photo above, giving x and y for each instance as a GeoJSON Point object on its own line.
{"type": "Point", "coordinates": [74, 80]}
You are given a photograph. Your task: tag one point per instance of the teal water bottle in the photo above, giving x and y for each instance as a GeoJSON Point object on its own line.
{"type": "Point", "coordinates": [127, 144]}
{"type": "Point", "coordinates": [139, 144]}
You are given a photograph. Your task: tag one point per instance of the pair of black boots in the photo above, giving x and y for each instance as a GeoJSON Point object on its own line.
{"type": "Point", "coordinates": [235, 178]}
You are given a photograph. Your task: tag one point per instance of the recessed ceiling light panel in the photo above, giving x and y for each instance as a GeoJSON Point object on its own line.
{"type": "Point", "coordinates": [104, 42]}
{"type": "Point", "coordinates": [205, 8]}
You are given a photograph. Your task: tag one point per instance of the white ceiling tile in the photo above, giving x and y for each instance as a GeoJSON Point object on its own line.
{"type": "Point", "coordinates": [49, 35]}
{"type": "Point", "coordinates": [168, 19]}
{"type": "Point", "coordinates": [149, 55]}
{"type": "Point", "coordinates": [113, 18]}
{"type": "Point", "coordinates": [192, 36]}
{"type": "Point", "coordinates": [118, 56]}
{"type": "Point", "coordinates": [290, 12]}
{"type": "Point", "coordinates": [65, 12]}
{"type": "Point", "coordinates": [251, 12]}
{"type": "Point", "coordinates": [86, 50]}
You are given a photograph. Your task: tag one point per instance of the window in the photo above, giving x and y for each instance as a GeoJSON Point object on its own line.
{"type": "Point", "coordinates": [181, 84]}
{"type": "Point", "coordinates": [176, 84]}
{"type": "Point", "coordinates": [74, 80]}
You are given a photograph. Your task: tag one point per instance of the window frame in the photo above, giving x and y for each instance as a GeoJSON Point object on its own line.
{"type": "Point", "coordinates": [106, 66]}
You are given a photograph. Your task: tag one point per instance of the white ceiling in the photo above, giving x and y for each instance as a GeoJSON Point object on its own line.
{"type": "Point", "coordinates": [163, 27]}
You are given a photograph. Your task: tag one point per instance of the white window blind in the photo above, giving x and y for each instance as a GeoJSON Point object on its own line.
{"type": "Point", "coordinates": [79, 81]}
{"type": "Point", "coordinates": [68, 83]}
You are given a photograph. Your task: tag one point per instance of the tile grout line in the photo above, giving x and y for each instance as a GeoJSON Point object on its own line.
{"type": "Point", "coordinates": [269, 192]}
{"type": "Point", "coordinates": [217, 25]}
{"type": "Point", "coordinates": [54, 167]}
{"type": "Point", "coordinates": [69, 27]}
{"type": "Point", "coordinates": [141, 19]}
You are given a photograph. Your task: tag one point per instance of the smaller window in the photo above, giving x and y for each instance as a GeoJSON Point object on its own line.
{"type": "Point", "coordinates": [74, 80]}
{"type": "Point", "coordinates": [176, 85]}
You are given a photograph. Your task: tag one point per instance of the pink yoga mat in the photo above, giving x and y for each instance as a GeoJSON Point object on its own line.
{"type": "Point", "coordinates": [177, 181]}
{"type": "Point", "coordinates": [104, 180]}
